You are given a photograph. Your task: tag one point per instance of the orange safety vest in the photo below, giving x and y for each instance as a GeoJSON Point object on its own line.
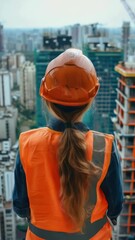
{"type": "Point", "coordinates": [38, 153]}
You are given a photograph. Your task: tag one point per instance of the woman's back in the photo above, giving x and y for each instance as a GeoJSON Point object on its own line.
{"type": "Point", "coordinates": [42, 173]}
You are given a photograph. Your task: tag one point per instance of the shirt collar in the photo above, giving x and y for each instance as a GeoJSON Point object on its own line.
{"type": "Point", "coordinates": [59, 126]}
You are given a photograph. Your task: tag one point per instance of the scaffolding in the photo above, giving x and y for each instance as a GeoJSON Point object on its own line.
{"type": "Point", "coordinates": [125, 136]}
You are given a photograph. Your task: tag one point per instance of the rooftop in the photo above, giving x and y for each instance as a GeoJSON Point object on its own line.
{"type": "Point", "coordinates": [125, 70]}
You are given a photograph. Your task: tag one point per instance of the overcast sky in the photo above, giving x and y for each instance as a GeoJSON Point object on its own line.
{"type": "Point", "coordinates": [58, 13]}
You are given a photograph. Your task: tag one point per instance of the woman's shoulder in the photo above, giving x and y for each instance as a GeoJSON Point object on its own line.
{"type": "Point", "coordinates": [33, 132]}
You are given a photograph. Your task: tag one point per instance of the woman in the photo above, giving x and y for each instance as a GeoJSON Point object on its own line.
{"type": "Point", "coordinates": [67, 177]}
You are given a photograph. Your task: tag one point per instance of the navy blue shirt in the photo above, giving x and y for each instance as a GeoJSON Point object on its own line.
{"type": "Point", "coordinates": [111, 185]}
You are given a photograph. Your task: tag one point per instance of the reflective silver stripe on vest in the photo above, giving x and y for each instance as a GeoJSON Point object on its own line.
{"type": "Point", "coordinates": [98, 149]}
{"type": "Point", "coordinates": [90, 228]}
{"type": "Point", "coordinates": [98, 159]}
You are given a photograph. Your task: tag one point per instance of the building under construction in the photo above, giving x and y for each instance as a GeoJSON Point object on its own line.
{"type": "Point", "coordinates": [125, 136]}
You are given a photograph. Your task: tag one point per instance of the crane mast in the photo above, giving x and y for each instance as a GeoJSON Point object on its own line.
{"type": "Point", "coordinates": [129, 10]}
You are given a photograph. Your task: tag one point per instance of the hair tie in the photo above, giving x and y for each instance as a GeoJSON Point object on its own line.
{"type": "Point", "coordinates": [68, 125]}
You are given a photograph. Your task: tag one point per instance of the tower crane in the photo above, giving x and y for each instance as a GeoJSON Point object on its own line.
{"type": "Point", "coordinates": [129, 10]}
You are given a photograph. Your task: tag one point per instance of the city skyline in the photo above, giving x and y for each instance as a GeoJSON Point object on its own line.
{"type": "Point", "coordinates": [42, 13]}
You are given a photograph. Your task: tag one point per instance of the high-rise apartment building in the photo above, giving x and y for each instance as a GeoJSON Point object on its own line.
{"type": "Point", "coordinates": [10, 64]}
{"type": "Point", "coordinates": [1, 38]}
{"type": "Point", "coordinates": [12, 61]}
{"type": "Point", "coordinates": [77, 36]}
{"type": "Point", "coordinates": [9, 183]}
{"type": "Point", "coordinates": [0, 190]}
{"type": "Point", "coordinates": [9, 222]}
{"type": "Point", "coordinates": [5, 88]}
{"type": "Point", "coordinates": [8, 122]}
{"type": "Point", "coordinates": [27, 85]}
{"type": "Point", "coordinates": [104, 59]}
{"type": "Point", "coordinates": [125, 136]}
{"type": "Point", "coordinates": [2, 231]}
{"type": "Point", "coordinates": [5, 145]}
{"type": "Point", "coordinates": [20, 59]}
{"type": "Point", "coordinates": [7, 216]}
{"type": "Point", "coordinates": [125, 39]}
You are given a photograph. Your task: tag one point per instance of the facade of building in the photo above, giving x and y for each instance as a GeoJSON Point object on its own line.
{"type": "Point", "coordinates": [104, 60]}
{"type": "Point", "coordinates": [9, 222]}
{"type": "Point", "coordinates": [5, 88]}
{"type": "Point", "coordinates": [15, 78]}
{"type": "Point", "coordinates": [125, 136]}
{"type": "Point", "coordinates": [7, 216]}
{"type": "Point", "coordinates": [10, 64]}
{"type": "Point", "coordinates": [8, 123]}
{"type": "Point", "coordinates": [12, 61]}
{"type": "Point", "coordinates": [77, 36]}
{"type": "Point", "coordinates": [5, 145]}
{"type": "Point", "coordinates": [1, 38]}
{"type": "Point", "coordinates": [8, 183]}
{"type": "Point", "coordinates": [27, 85]}
{"type": "Point", "coordinates": [2, 229]}
{"type": "Point", "coordinates": [125, 39]}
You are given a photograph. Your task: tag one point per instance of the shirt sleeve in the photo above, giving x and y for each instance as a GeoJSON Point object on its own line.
{"type": "Point", "coordinates": [112, 185]}
{"type": "Point", "coordinates": [20, 196]}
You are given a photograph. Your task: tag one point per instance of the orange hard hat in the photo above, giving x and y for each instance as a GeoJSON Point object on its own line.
{"type": "Point", "coordinates": [70, 79]}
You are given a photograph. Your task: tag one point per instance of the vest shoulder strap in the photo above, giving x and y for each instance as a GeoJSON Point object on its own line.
{"type": "Point", "coordinates": [98, 149]}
